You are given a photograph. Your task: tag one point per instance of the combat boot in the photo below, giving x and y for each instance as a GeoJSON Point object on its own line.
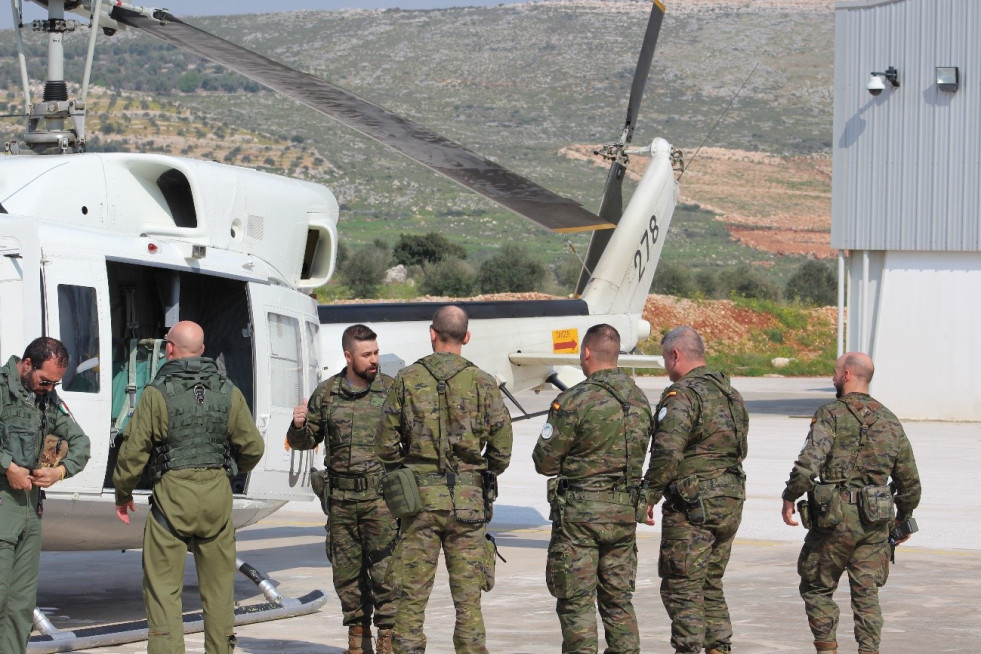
{"type": "Point", "coordinates": [358, 640]}
{"type": "Point", "coordinates": [826, 647]}
{"type": "Point", "coordinates": [383, 644]}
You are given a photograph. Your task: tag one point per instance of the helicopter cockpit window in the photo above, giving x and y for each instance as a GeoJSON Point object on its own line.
{"type": "Point", "coordinates": [287, 371]}
{"type": "Point", "coordinates": [79, 331]}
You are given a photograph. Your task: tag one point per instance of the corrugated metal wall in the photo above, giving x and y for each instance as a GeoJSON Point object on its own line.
{"type": "Point", "coordinates": [907, 163]}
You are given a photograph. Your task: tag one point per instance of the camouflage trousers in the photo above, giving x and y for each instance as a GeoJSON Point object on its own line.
{"type": "Point", "coordinates": [692, 560]}
{"type": "Point", "coordinates": [590, 564]}
{"type": "Point", "coordinates": [360, 538]}
{"type": "Point", "coordinates": [827, 553]}
{"type": "Point", "coordinates": [413, 571]}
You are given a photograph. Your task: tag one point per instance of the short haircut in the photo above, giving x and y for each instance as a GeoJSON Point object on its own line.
{"type": "Point", "coordinates": [687, 341]}
{"type": "Point", "coordinates": [44, 349]}
{"type": "Point", "coordinates": [603, 341]}
{"type": "Point", "coordinates": [859, 365]}
{"type": "Point", "coordinates": [359, 333]}
{"type": "Point", "coordinates": [450, 324]}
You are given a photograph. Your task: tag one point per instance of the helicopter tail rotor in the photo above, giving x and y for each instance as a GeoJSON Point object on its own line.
{"type": "Point", "coordinates": [611, 207]}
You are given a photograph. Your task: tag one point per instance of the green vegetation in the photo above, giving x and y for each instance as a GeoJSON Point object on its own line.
{"type": "Point", "coordinates": [511, 270]}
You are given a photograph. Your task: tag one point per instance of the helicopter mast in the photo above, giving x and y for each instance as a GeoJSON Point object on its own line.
{"type": "Point", "coordinates": [56, 125]}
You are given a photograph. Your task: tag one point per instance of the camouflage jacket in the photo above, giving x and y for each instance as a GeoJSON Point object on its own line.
{"type": "Point", "coordinates": [596, 437]}
{"type": "Point", "coordinates": [839, 452]}
{"type": "Point", "coordinates": [477, 430]}
{"type": "Point", "coordinates": [701, 426]}
{"type": "Point", "coordinates": [347, 418]}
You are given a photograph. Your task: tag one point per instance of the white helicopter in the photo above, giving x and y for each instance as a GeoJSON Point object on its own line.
{"type": "Point", "coordinates": [107, 251]}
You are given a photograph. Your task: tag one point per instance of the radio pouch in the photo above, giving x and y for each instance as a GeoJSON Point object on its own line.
{"type": "Point", "coordinates": [824, 503]}
{"type": "Point", "coordinates": [876, 506]}
{"type": "Point", "coordinates": [687, 488]}
{"type": "Point", "coordinates": [804, 509]}
{"type": "Point", "coordinates": [401, 493]}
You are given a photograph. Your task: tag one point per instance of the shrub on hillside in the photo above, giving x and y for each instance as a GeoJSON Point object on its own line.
{"type": "Point", "coordinates": [417, 249]}
{"type": "Point", "coordinates": [746, 282]}
{"type": "Point", "coordinates": [451, 277]}
{"type": "Point", "coordinates": [364, 270]}
{"type": "Point", "coordinates": [512, 270]}
{"type": "Point", "coordinates": [672, 279]}
{"type": "Point", "coordinates": [814, 283]}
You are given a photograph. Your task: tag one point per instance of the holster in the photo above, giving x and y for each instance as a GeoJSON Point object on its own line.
{"type": "Point", "coordinates": [489, 484]}
{"type": "Point", "coordinates": [685, 492]}
{"type": "Point", "coordinates": [556, 488]}
{"type": "Point", "coordinates": [320, 485]}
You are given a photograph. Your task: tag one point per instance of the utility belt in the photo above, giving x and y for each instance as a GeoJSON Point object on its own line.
{"type": "Point", "coordinates": [559, 490]}
{"type": "Point", "coordinates": [450, 479]}
{"type": "Point", "coordinates": [355, 483]}
{"type": "Point", "coordinates": [823, 507]}
{"type": "Point", "coordinates": [615, 495]}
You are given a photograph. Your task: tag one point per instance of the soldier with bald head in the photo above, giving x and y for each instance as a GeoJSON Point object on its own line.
{"type": "Point", "coordinates": [858, 471]}
{"type": "Point", "coordinates": [444, 419]}
{"type": "Point", "coordinates": [192, 427]}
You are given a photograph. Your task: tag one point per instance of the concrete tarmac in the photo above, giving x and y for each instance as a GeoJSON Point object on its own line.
{"type": "Point", "coordinates": [930, 604]}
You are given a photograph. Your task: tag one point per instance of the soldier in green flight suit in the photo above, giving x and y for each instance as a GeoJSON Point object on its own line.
{"type": "Point", "coordinates": [445, 420]}
{"type": "Point", "coordinates": [856, 446]}
{"type": "Point", "coordinates": [700, 441]}
{"type": "Point", "coordinates": [30, 410]}
{"type": "Point", "coordinates": [344, 411]}
{"type": "Point", "coordinates": [594, 445]}
{"type": "Point", "coordinates": [193, 427]}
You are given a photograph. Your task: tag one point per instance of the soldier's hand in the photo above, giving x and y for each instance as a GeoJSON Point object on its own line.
{"type": "Point", "coordinates": [300, 414]}
{"type": "Point", "coordinates": [19, 478]}
{"type": "Point", "coordinates": [122, 511]}
{"type": "Point", "coordinates": [46, 477]}
{"type": "Point", "coordinates": [650, 515]}
{"type": "Point", "coordinates": [788, 513]}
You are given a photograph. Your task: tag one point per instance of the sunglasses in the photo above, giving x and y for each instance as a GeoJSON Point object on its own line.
{"type": "Point", "coordinates": [47, 383]}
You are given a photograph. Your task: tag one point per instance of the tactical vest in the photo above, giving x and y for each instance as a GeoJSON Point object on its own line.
{"type": "Point", "coordinates": [635, 420]}
{"type": "Point", "coordinates": [840, 466]}
{"type": "Point", "coordinates": [445, 462]}
{"type": "Point", "coordinates": [714, 450]}
{"type": "Point", "coordinates": [198, 404]}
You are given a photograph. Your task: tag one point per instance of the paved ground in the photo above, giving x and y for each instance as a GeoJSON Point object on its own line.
{"type": "Point", "coordinates": [930, 603]}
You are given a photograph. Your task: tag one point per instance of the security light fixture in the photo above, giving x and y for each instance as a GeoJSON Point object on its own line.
{"type": "Point", "coordinates": [948, 78]}
{"type": "Point", "coordinates": [875, 85]}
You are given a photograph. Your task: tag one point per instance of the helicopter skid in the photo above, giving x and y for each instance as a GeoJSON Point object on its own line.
{"type": "Point", "coordinates": [277, 607]}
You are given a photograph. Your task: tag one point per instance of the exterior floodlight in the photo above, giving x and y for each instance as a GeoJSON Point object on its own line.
{"type": "Point", "coordinates": [948, 78]}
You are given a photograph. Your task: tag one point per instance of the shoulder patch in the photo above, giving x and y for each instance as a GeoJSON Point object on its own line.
{"type": "Point", "coordinates": [663, 412]}
{"type": "Point", "coordinates": [556, 406]}
{"type": "Point", "coordinates": [814, 419]}
{"type": "Point", "coordinates": [547, 431]}
{"type": "Point", "coordinates": [671, 393]}
{"type": "Point", "coordinates": [64, 409]}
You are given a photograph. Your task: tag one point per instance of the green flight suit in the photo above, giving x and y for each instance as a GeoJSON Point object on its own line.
{"type": "Point", "coordinates": [853, 442]}
{"type": "Point", "coordinates": [24, 421]}
{"type": "Point", "coordinates": [197, 502]}
{"type": "Point", "coordinates": [361, 531]}
{"type": "Point", "coordinates": [595, 442]}
{"type": "Point", "coordinates": [447, 461]}
{"type": "Point", "coordinates": [700, 442]}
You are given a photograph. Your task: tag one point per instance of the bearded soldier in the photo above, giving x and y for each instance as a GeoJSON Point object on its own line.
{"type": "Point", "coordinates": [856, 446]}
{"type": "Point", "coordinates": [40, 445]}
{"type": "Point", "coordinates": [344, 413]}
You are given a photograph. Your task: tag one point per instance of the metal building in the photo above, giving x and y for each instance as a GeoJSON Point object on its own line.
{"type": "Point", "coordinates": [906, 199]}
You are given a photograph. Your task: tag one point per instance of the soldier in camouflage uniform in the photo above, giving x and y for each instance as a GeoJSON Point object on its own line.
{"type": "Point", "coordinates": [30, 409]}
{"type": "Point", "coordinates": [856, 446]}
{"type": "Point", "coordinates": [449, 443]}
{"type": "Point", "coordinates": [700, 441]}
{"type": "Point", "coordinates": [190, 425]}
{"type": "Point", "coordinates": [594, 443]}
{"type": "Point", "coordinates": [345, 411]}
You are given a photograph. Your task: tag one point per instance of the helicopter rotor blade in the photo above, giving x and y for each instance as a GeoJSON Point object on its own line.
{"type": "Point", "coordinates": [463, 166]}
{"type": "Point", "coordinates": [611, 207]}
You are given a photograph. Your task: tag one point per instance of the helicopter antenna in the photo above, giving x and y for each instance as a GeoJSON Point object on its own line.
{"type": "Point", "coordinates": [719, 119]}
{"type": "Point", "coordinates": [17, 9]}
